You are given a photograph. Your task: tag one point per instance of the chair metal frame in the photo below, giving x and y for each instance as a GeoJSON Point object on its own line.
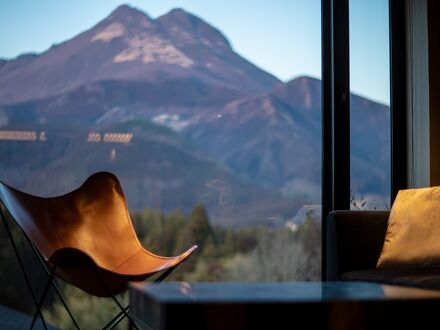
{"type": "Point", "coordinates": [50, 272]}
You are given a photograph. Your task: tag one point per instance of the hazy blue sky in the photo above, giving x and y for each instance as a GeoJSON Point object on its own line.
{"type": "Point", "coordinates": [282, 37]}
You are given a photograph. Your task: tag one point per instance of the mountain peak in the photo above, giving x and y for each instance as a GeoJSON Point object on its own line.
{"type": "Point", "coordinates": [124, 10]}
{"type": "Point", "coordinates": [122, 22]}
{"type": "Point", "coordinates": [182, 16]}
{"type": "Point", "coordinates": [126, 13]}
{"type": "Point", "coordinates": [186, 28]}
{"type": "Point", "coordinates": [303, 82]}
{"type": "Point", "coordinates": [301, 91]}
{"type": "Point", "coordinates": [179, 11]}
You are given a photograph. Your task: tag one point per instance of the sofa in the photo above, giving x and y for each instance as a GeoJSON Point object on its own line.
{"type": "Point", "coordinates": [354, 243]}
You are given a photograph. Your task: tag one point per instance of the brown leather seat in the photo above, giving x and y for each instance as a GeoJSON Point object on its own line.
{"type": "Point", "coordinates": [87, 230]}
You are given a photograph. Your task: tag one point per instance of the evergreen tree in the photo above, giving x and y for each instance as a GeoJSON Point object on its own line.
{"type": "Point", "coordinates": [173, 225]}
{"type": "Point", "coordinates": [197, 230]}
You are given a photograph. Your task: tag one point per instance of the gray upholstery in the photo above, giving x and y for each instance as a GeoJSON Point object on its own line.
{"type": "Point", "coordinates": [354, 241]}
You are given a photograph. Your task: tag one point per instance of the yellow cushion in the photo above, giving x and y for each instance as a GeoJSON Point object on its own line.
{"type": "Point", "coordinates": [413, 234]}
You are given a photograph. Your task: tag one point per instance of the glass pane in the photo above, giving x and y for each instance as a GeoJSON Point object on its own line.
{"type": "Point", "coordinates": [370, 99]}
{"type": "Point", "coordinates": [210, 118]}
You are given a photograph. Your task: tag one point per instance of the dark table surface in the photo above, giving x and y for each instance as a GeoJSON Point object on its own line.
{"type": "Point", "coordinates": [329, 305]}
{"type": "Point", "coordinates": [277, 292]}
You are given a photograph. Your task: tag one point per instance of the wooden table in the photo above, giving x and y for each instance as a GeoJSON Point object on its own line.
{"type": "Point", "coordinates": [296, 305]}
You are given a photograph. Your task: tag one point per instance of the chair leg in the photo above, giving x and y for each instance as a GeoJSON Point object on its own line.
{"type": "Point", "coordinates": [125, 311]}
{"type": "Point", "coordinates": [43, 296]}
{"type": "Point", "coordinates": [55, 286]}
{"type": "Point", "coordinates": [165, 274]}
{"type": "Point", "coordinates": [118, 318]}
{"type": "Point", "coordinates": [23, 269]}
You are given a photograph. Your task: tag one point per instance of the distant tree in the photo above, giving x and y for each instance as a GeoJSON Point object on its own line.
{"type": "Point", "coordinates": [277, 257]}
{"type": "Point", "coordinates": [359, 204]}
{"type": "Point", "coordinates": [171, 228]}
{"type": "Point", "coordinates": [309, 235]}
{"type": "Point", "coordinates": [197, 230]}
{"type": "Point", "coordinates": [247, 239]}
{"type": "Point", "coordinates": [248, 254]}
{"type": "Point", "coordinates": [149, 225]}
{"type": "Point", "coordinates": [228, 241]}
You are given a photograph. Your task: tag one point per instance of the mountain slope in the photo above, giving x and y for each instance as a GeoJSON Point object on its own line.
{"type": "Point", "coordinates": [272, 139]}
{"type": "Point", "coordinates": [109, 102]}
{"type": "Point", "coordinates": [158, 169]}
{"type": "Point", "coordinates": [275, 139]}
{"type": "Point", "coordinates": [129, 45]}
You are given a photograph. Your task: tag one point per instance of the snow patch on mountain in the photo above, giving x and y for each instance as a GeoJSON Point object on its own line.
{"type": "Point", "coordinates": [112, 31]}
{"type": "Point", "coordinates": [151, 49]}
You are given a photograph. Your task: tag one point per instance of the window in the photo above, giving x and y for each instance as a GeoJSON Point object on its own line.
{"type": "Point", "coordinates": [369, 105]}
{"type": "Point", "coordinates": [211, 120]}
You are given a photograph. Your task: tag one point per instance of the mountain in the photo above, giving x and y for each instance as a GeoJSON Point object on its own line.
{"type": "Point", "coordinates": [275, 139]}
{"type": "Point", "coordinates": [109, 102]}
{"type": "Point", "coordinates": [264, 138]}
{"type": "Point", "coordinates": [204, 124]}
{"type": "Point", "coordinates": [128, 45]}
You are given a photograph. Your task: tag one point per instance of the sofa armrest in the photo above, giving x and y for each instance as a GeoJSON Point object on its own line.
{"type": "Point", "coordinates": [354, 241]}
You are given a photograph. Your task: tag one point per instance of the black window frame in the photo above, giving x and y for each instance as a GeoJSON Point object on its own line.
{"type": "Point", "coordinates": [336, 107]}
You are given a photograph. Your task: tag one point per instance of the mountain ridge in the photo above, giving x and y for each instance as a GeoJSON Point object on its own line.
{"type": "Point", "coordinates": [128, 45]}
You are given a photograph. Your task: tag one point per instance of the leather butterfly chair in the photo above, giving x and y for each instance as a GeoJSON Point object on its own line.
{"type": "Point", "coordinates": [86, 238]}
